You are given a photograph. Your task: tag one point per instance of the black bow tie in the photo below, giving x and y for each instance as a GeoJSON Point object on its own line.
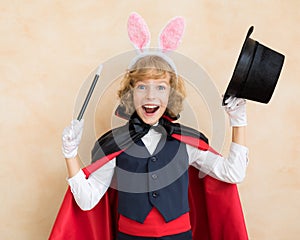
{"type": "Point", "coordinates": [138, 126]}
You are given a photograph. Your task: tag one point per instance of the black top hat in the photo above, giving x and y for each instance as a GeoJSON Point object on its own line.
{"type": "Point", "coordinates": [256, 72]}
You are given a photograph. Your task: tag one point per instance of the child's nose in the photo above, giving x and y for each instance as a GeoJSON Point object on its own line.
{"type": "Point", "coordinates": [150, 94]}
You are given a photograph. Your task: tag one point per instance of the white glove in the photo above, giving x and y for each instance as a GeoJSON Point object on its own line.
{"type": "Point", "coordinates": [236, 110]}
{"type": "Point", "coordinates": [71, 137]}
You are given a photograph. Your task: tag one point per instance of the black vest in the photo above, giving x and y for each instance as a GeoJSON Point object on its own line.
{"type": "Point", "coordinates": [159, 180]}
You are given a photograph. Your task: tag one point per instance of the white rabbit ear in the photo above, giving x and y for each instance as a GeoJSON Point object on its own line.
{"type": "Point", "coordinates": [138, 31]}
{"type": "Point", "coordinates": [171, 35]}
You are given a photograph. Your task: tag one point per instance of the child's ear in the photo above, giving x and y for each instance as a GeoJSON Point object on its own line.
{"type": "Point", "coordinates": [171, 35]}
{"type": "Point", "coordinates": [138, 32]}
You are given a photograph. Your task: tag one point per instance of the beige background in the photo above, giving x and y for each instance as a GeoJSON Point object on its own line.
{"type": "Point", "coordinates": [49, 48]}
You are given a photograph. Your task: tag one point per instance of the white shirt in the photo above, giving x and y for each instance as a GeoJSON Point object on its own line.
{"type": "Point", "coordinates": [88, 192]}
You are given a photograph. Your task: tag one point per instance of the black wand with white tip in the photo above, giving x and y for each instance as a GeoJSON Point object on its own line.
{"type": "Point", "coordinates": [89, 94]}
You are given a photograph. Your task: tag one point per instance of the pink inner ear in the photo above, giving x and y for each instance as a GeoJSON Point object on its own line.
{"type": "Point", "coordinates": [138, 31]}
{"type": "Point", "coordinates": [171, 35]}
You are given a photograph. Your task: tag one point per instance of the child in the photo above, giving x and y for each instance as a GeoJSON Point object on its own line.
{"type": "Point", "coordinates": [170, 184]}
{"type": "Point", "coordinates": [151, 94]}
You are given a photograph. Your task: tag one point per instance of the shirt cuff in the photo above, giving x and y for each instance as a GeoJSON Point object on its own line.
{"type": "Point", "coordinates": [239, 148]}
{"type": "Point", "coordinates": [77, 178]}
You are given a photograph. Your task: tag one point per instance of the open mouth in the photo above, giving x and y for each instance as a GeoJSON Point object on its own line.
{"type": "Point", "coordinates": [150, 108]}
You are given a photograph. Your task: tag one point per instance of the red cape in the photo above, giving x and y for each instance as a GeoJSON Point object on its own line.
{"type": "Point", "coordinates": [215, 209]}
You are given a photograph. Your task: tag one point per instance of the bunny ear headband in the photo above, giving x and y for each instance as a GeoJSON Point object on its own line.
{"type": "Point", "coordinates": [169, 38]}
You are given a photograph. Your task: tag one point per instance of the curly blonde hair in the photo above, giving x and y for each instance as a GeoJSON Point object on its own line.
{"type": "Point", "coordinates": [152, 67]}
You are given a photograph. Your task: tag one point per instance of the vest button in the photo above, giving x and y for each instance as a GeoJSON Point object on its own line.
{"type": "Point", "coordinates": [155, 194]}
{"type": "Point", "coordinates": [154, 176]}
{"type": "Point", "coordinates": [153, 159]}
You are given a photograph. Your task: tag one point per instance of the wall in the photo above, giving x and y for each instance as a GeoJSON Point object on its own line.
{"type": "Point", "coordinates": [49, 48]}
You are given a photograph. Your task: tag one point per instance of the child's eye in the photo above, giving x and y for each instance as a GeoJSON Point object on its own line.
{"type": "Point", "coordinates": [161, 88]}
{"type": "Point", "coordinates": [141, 87]}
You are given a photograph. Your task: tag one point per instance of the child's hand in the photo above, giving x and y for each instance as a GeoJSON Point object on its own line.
{"type": "Point", "coordinates": [236, 110]}
{"type": "Point", "coordinates": [71, 137]}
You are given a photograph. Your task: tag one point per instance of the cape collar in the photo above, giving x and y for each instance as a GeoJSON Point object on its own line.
{"type": "Point", "coordinates": [123, 137]}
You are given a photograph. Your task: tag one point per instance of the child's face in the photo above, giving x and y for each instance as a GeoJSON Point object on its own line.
{"type": "Point", "coordinates": [150, 98]}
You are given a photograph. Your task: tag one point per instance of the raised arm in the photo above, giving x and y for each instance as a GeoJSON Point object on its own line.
{"type": "Point", "coordinates": [233, 168]}
{"type": "Point", "coordinates": [71, 138]}
{"type": "Point", "coordinates": [87, 192]}
{"type": "Point", "coordinates": [236, 110]}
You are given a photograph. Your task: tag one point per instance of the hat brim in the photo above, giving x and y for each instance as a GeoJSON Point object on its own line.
{"type": "Point", "coordinates": [242, 67]}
